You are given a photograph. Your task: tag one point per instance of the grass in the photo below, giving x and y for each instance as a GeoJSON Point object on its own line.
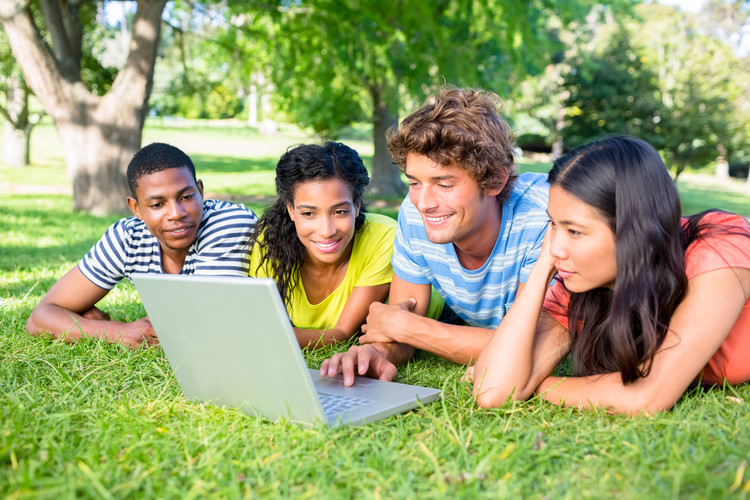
{"type": "Point", "coordinates": [93, 420]}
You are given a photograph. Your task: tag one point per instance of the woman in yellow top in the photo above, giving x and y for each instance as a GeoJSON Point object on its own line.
{"type": "Point", "coordinates": [329, 258]}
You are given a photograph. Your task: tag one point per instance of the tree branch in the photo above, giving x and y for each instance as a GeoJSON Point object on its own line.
{"type": "Point", "coordinates": [62, 46]}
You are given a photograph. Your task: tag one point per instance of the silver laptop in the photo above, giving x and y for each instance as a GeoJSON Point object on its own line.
{"type": "Point", "coordinates": [230, 342]}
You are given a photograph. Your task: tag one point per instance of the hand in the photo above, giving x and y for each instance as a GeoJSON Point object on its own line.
{"type": "Point", "coordinates": [369, 360]}
{"type": "Point", "coordinates": [384, 322]}
{"type": "Point", "coordinates": [468, 375]}
{"type": "Point", "coordinates": [134, 334]}
{"type": "Point", "coordinates": [96, 313]}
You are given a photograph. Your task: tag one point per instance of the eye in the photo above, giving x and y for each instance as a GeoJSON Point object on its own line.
{"type": "Point", "coordinates": [445, 186]}
{"type": "Point", "coordinates": [156, 205]}
{"type": "Point", "coordinates": [307, 214]}
{"type": "Point", "coordinates": [573, 232]}
{"type": "Point", "coordinates": [188, 196]}
{"type": "Point", "coordinates": [342, 211]}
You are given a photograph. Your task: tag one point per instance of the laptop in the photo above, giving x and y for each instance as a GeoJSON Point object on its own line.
{"type": "Point", "coordinates": [230, 342]}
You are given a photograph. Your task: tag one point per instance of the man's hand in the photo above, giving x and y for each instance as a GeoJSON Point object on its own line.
{"type": "Point", "coordinates": [139, 333]}
{"type": "Point", "coordinates": [369, 361]}
{"type": "Point", "coordinates": [384, 322]}
{"type": "Point", "coordinates": [96, 313]}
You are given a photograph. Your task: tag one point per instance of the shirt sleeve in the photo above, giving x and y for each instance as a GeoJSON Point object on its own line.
{"type": "Point", "coordinates": [224, 242]}
{"type": "Point", "coordinates": [377, 250]}
{"type": "Point", "coordinates": [556, 302]}
{"type": "Point", "coordinates": [726, 244]}
{"type": "Point", "coordinates": [407, 263]}
{"type": "Point", "coordinates": [104, 265]}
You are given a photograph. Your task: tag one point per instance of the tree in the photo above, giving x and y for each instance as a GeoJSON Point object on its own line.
{"type": "Point", "coordinates": [19, 121]}
{"type": "Point", "coordinates": [696, 83]}
{"type": "Point", "coordinates": [99, 133]}
{"type": "Point", "coordinates": [610, 91]}
{"type": "Point", "coordinates": [338, 61]}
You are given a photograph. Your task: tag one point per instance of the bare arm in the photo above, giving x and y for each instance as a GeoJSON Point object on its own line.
{"type": "Point", "coordinates": [698, 327]}
{"type": "Point", "coordinates": [350, 321]}
{"type": "Point", "coordinates": [525, 347]}
{"type": "Point", "coordinates": [68, 309]}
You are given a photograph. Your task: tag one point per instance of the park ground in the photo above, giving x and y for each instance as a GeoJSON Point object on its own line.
{"type": "Point", "coordinates": [94, 420]}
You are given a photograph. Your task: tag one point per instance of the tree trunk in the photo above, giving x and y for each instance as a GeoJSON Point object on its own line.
{"type": "Point", "coordinates": [17, 126]}
{"type": "Point", "coordinates": [99, 135]}
{"type": "Point", "coordinates": [386, 178]}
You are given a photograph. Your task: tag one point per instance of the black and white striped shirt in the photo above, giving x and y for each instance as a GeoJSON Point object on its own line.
{"type": "Point", "coordinates": [221, 247]}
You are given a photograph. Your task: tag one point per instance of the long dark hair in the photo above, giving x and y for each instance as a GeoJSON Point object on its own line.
{"type": "Point", "coordinates": [626, 181]}
{"type": "Point", "coordinates": [280, 246]}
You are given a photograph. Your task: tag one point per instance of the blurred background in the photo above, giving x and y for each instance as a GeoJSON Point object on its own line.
{"type": "Point", "coordinates": [676, 74]}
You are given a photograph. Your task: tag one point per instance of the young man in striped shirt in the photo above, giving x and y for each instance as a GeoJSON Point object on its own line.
{"type": "Point", "coordinates": [173, 230]}
{"type": "Point", "coordinates": [470, 227]}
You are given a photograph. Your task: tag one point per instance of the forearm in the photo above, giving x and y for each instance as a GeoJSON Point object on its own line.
{"type": "Point", "coordinates": [506, 367]}
{"type": "Point", "coordinates": [460, 344]}
{"type": "Point", "coordinates": [603, 391]}
{"type": "Point", "coordinates": [314, 339]}
{"type": "Point", "coordinates": [56, 321]}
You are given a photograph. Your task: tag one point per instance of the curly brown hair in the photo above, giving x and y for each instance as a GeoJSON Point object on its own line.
{"type": "Point", "coordinates": [462, 128]}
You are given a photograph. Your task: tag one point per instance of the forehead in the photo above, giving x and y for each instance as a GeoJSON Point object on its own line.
{"type": "Point", "coordinates": [164, 182]}
{"type": "Point", "coordinates": [424, 168]}
{"type": "Point", "coordinates": [563, 207]}
{"type": "Point", "coordinates": [322, 192]}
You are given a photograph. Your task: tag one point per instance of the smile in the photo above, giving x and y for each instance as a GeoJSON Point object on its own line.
{"type": "Point", "coordinates": [327, 246]}
{"type": "Point", "coordinates": [436, 220]}
{"type": "Point", "coordinates": [178, 232]}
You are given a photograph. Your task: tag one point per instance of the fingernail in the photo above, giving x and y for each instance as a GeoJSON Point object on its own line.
{"type": "Point", "coordinates": [347, 380]}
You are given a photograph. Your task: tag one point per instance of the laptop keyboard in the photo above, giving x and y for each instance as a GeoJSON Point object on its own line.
{"type": "Point", "coordinates": [333, 404]}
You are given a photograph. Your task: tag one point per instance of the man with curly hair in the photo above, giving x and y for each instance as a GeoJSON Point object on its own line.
{"type": "Point", "coordinates": [471, 227]}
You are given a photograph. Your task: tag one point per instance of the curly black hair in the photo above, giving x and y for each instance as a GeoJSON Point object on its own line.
{"type": "Point", "coordinates": [155, 158]}
{"type": "Point", "coordinates": [280, 246]}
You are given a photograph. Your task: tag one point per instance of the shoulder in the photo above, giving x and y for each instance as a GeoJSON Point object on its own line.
{"type": "Point", "coordinates": [219, 208]}
{"type": "Point", "coordinates": [126, 230]}
{"type": "Point", "coordinates": [723, 242]}
{"type": "Point", "coordinates": [378, 223]}
{"type": "Point", "coordinates": [531, 190]}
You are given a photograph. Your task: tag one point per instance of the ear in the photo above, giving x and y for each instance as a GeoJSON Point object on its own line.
{"type": "Point", "coordinates": [290, 210]}
{"type": "Point", "coordinates": [199, 185]}
{"type": "Point", "coordinates": [133, 206]}
{"type": "Point", "coordinates": [357, 206]}
{"type": "Point", "coordinates": [496, 191]}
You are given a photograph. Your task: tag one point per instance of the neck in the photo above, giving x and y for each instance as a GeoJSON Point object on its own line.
{"type": "Point", "coordinates": [474, 250]}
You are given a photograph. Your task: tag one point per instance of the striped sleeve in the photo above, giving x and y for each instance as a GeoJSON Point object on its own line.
{"type": "Point", "coordinates": [223, 242]}
{"type": "Point", "coordinates": [104, 265]}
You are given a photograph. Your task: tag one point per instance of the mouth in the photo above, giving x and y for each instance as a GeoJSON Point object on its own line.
{"type": "Point", "coordinates": [436, 219]}
{"type": "Point", "coordinates": [179, 232]}
{"type": "Point", "coordinates": [564, 274]}
{"type": "Point", "coordinates": [327, 246]}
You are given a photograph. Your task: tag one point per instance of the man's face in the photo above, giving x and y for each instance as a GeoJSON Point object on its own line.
{"type": "Point", "coordinates": [453, 207]}
{"type": "Point", "coordinates": [170, 203]}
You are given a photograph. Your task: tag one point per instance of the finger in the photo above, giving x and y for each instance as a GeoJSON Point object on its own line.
{"type": "Point", "coordinates": [324, 368]}
{"type": "Point", "coordinates": [333, 365]}
{"type": "Point", "coordinates": [388, 371]}
{"type": "Point", "coordinates": [363, 363]}
{"type": "Point", "coordinates": [347, 368]}
{"type": "Point", "coordinates": [408, 304]}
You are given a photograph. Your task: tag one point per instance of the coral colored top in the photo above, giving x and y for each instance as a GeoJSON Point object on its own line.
{"type": "Point", "coordinates": [713, 251]}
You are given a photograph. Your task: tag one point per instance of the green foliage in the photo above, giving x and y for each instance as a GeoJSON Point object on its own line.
{"type": "Point", "coordinates": [610, 91]}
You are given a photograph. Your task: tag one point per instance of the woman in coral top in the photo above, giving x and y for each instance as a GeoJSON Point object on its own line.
{"type": "Point", "coordinates": [645, 301]}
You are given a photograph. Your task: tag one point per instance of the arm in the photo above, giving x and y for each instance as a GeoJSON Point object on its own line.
{"type": "Point", "coordinates": [402, 323]}
{"type": "Point", "coordinates": [525, 347]}
{"type": "Point", "coordinates": [697, 329]}
{"type": "Point", "coordinates": [68, 309]}
{"type": "Point", "coordinates": [350, 321]}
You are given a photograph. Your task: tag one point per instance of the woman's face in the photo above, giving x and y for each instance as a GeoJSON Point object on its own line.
{"type": "Point", "coordinates": [324, 214]}
{"type": "Point", "coordinates": [581, 243]}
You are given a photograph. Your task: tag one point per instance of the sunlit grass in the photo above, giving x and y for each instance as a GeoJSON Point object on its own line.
{"type": "Point", "coordinates": [93, 420]}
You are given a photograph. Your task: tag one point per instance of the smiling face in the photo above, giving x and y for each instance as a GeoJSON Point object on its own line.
{"type": "Point", "coordinates": [324, 216]}
{"type": "Point", "coordinates": [581, 242]}
{"type": "Point", "coordinates": [170, 203]}
{"type": "Point", "coordinates": [453, 207]}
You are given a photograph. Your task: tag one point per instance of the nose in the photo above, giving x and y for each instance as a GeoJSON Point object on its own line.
{"type": "Point", "coordinates": [556, 245]}
{"type": "Point", "coordinates": [175, 210]}
{"type": "Point", "coordinates": [326, 227]}
{"type": "Point", "coordinates": [424, 198]}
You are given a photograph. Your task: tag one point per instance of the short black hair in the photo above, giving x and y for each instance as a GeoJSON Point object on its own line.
{"type": "Point", "coordinates": [155, 158]}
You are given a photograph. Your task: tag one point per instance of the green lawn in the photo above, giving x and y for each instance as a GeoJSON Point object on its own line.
{"type": "Point", "coordinates": [93, 420]}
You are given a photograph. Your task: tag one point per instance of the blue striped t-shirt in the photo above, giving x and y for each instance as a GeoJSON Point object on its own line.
{"type": "Point", "coordinates": [221, 247]}
{"type": "Point", "coordinates": [481, 297]}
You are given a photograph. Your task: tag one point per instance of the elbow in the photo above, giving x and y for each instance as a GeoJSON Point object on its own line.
{"type": "Point", "coordinates": [497, 396]}
{"type": "Point", "coordinates": [32, 327]}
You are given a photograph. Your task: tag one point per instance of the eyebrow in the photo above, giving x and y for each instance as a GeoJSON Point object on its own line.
{"type": "Point", "coordinates": [435, 178]}
{"type": "Point", "coordinates": [161, 196]}
{"type": "Point", "coordinates": [337, 205]}
{"type": "Point", "coordinates": [564, 222]}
